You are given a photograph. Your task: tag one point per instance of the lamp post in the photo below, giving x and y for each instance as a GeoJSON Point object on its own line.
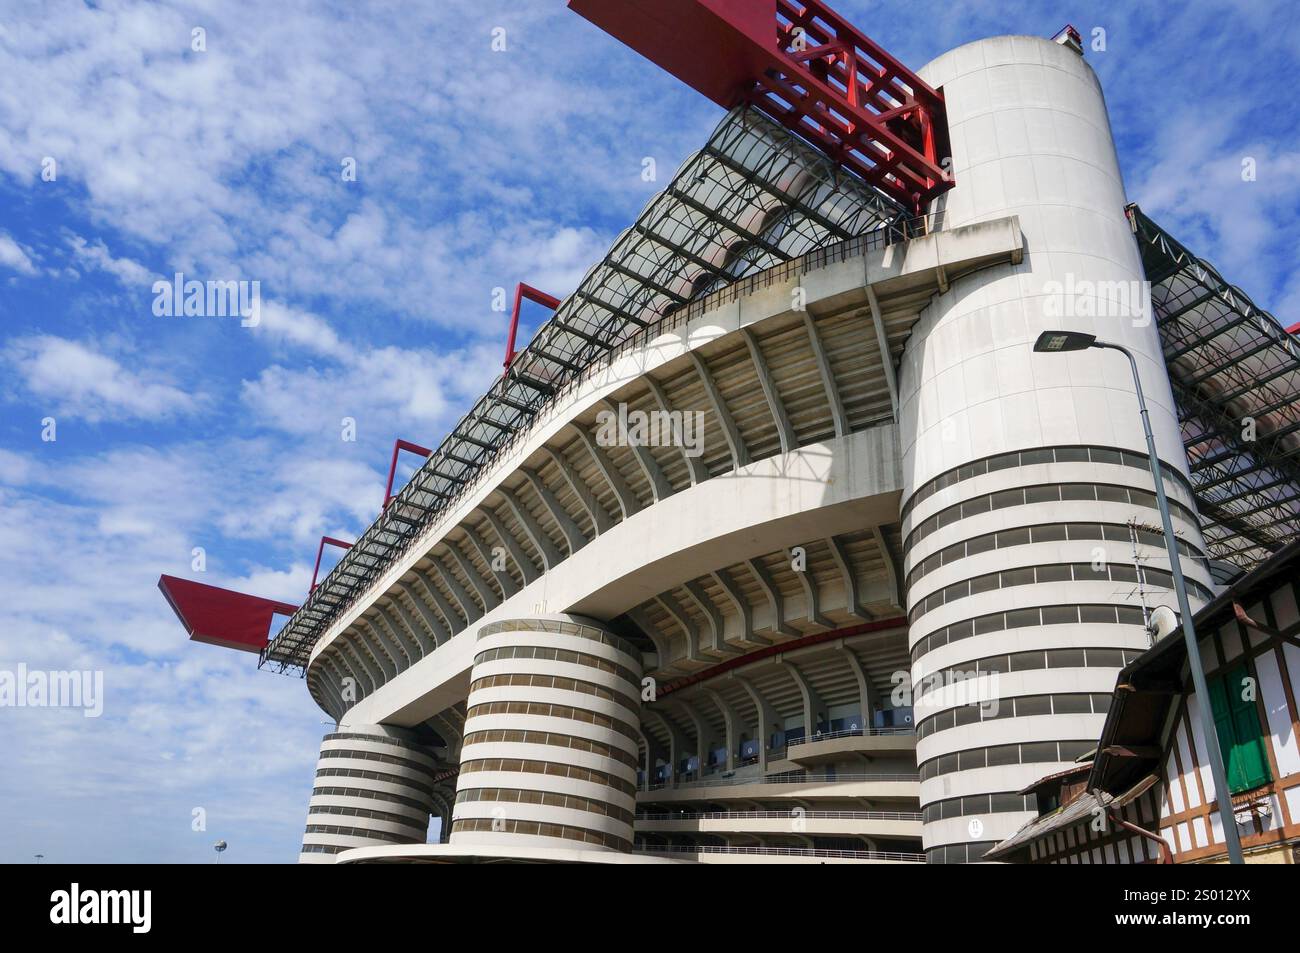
{"type": "Point", "coordinates": [1051, 342]}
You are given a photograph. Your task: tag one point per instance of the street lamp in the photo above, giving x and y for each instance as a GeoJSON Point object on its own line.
{"type": "Point", "coordinates": [1060, 341]}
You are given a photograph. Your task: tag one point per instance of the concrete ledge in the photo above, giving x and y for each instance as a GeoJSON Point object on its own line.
{"type": "Point", "coordinates": [836, 749]}
{"type": "Point", "coordinates": [760, 790]}
{"type": "Point", "coordinates": [482, 854]}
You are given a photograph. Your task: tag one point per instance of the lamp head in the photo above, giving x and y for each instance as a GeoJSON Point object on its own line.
{"type": "Point", "coordinates": [1055, 341]}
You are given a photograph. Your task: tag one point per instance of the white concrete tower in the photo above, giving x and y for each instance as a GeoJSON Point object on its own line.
{"type": "Point", "coordinates": [550, 751]}
{"type": "Point", "coordinates": [1023, 471]}
{"type": "Point", "coordinates": [373, 788]}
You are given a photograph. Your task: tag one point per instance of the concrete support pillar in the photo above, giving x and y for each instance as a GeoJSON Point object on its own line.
{"type": "Point", "coordinates": [373, 788]}
{"type": "Point", "coordinates": [549, 757]}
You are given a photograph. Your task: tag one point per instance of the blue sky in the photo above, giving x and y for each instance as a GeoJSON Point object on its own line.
{"type": "Point", "coordinates": [475, 169]}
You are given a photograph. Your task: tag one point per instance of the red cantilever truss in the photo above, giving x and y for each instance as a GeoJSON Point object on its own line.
{"type": "Point", "coordinates": [399, 446]}
{"type": "Point", "coordinates": [233, 620]}
{"type": "Point", "coordinates": [806, 67]}
{"type": "Point", "coordinates": [523, 291]}
{"type": "Point", "coordinates": [320, 551]}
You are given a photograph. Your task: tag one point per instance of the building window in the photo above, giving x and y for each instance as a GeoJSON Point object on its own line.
{"type": "Point", "coordinates": [1236, 721]}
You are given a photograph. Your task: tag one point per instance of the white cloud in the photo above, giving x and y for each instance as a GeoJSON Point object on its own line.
{"type": "Point", "coordinates": [230, 159]}
{"type": "Point", "coordinates": [13, 256]}
{"type": "Point", "coordinates": [283, 324]}
{"type": "Point", "coordinates": [96, 255]}
{"type": "Point", "coordinates": [288, 585]}
{"type": "Point", "coordinates": [556, 258]}
{"type": "Point", "coordinates": [15, 469]}
{"type": "Point", "coordinates": [84, 383]}
{"type": "Point", "coordinates": [1197, 188]}
{"type": "Point", "coordinates": [387, 391]}
{"type": "Point", "coordinates": [183, 725]}
{"type": "Point", "coordinates": [310, 494]}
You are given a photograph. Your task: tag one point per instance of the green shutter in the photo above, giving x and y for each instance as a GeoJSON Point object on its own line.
{"type": "Point", "coordinates": [1223, 726]}
{"type": "Point", "coordinates": [1236, 722]}
{"type": "Point", "coordinates": [1250, 754]}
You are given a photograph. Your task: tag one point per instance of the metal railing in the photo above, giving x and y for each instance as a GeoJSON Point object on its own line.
{"type": "Point", "coordinates": [848, 733]}
{"type": "Point", "coordinates": [811, 815]}
{"type": "Point", "coordinates": [896, 856]}
{"type": "Point", "coordinates": [784, 778]}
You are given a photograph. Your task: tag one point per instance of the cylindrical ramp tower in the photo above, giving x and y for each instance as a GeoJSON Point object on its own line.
{"type": "Point", "coordinates": [373, 788]}
{"type": "Point", "coordinates": [1026, 481]}
{"type": "Point", "coordinates": [550, 747]}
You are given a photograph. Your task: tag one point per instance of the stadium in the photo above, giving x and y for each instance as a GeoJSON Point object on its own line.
{"type": "Point", "coordinates": [781, 541]}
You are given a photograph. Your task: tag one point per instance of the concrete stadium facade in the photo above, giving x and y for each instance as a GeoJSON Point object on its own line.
{"type": "Point", "coordinates": [892, 588]}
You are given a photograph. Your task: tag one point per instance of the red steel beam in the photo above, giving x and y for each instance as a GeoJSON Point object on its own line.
{"type": "Point", "coordinates": [523, 291]}
{"type": "Point", "coordinates": [233, 620]}
{"type": "Point", "coordinates": [320, 550]}
{"type": "Point", "coordinates": [806, 67]}
{"type": "Point", "coordinates": [398, 446]}
{"type": "Point", "coordinates": [773, 651]}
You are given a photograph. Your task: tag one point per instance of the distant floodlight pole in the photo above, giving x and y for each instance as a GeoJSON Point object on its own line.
{"type": "Point", "coordinates": [1058, 341]}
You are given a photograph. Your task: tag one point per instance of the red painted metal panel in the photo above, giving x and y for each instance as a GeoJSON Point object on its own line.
{"type": "Point", "coordinates": [713, 46]}
{"type": "Point", "coordinates": [233, 620]}
{"type": "Point", "coordinates": [807, 68]}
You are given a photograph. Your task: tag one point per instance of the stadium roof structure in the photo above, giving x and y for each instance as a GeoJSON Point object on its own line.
{"type": "Point", "coordinates": [756, 196]}
{"type": "Point", "coordinates": [1235, 374]}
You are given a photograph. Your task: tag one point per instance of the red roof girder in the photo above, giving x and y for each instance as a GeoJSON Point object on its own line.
{"type": "Point", "coordinates": [808, 68]}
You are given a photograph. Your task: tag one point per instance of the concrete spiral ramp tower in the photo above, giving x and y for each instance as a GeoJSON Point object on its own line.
{"type": "Point", "coordinates": [550, 748]}
{"type": "Point", "coordinates": [1021, 470]}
